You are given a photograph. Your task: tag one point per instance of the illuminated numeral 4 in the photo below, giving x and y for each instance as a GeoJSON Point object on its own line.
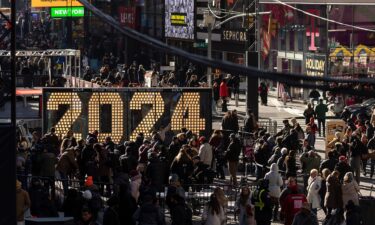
{"type": "Point", "coordinates": [187, 113]}
{"type": "Point", "coordinates": [113, 99]}
{"type": "Point", "coordinates": [147, 124]}
{"type": "Point", "coordinates": [70, 116]}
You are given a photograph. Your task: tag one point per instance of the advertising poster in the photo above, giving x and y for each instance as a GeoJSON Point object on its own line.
{"type": "Point", "coordinates": [179, 19]}
{"type": "Point", "coordinates": [54, 3]}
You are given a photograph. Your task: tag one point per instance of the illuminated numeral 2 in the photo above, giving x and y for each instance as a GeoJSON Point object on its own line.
{"type": "Point", "coordinates": [70, 116]}
{"type": "Point", "coordinates": [188, 103]}
{"type": "Point", "coordinates": [147, 123]}
{"type": "Point", "coordinates": [115, 101]}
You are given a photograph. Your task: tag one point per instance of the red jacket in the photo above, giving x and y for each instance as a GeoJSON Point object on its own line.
{"type": "Point", "coordinates": [292, 205]}
{"type": "Point", "coordinates": [223, 90]}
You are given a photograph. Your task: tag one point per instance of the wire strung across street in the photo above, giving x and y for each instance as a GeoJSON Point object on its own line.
{"type": "Point", "coordinates": [330, 83]}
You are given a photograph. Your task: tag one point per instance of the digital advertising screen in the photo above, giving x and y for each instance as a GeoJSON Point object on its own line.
{"type": "Point", "coordinates": [123, 113]}
{"type": "Point", "coordinates": [179, 19]}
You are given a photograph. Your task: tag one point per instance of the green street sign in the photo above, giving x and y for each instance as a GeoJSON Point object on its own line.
{"type": "Point", "coordinates": [200, 45]}
{"type": "Point", "coordinates": [67, 12]}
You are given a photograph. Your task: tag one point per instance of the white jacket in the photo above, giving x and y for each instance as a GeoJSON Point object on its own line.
{"type": "Point", "coordinates": [214, 219]}
{"type": "Point", "coordinates": [275, 181]}
{"type": "Point", "coordinates": [205, 153]}
{"type": "Point", "coordinates": [313, 197]}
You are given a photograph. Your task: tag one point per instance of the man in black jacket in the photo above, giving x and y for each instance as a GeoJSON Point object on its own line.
{"type": "Point", "coordinates": [232, 155]}
{"type": "Point", "coordinates": [343, 167]}
{"type": "Point", "coordinates": [329, 163]}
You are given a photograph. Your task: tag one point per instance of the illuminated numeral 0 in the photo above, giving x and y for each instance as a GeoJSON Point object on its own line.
{"type": "Point", "coordinates": [190, 103]}
{"type": "Point", "coordinates": [70, 116]}
{"type": "Point", "coordinates": [115, 101]}
{"type": "Point", "coordinates": [143, 98]}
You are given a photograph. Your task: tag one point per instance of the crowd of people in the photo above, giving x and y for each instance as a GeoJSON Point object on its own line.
{"type": "Point", "coordinates": [130, 175]}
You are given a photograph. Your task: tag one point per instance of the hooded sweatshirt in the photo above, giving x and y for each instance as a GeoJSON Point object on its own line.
{"type": "Point", "coordinates": [275, 181]}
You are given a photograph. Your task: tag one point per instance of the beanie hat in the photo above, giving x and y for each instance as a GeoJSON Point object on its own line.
{"type": "Point", "coordinates": [342, 158]}
{"type": "Point", "coordinates": [87, 195]}
{"type": "Point", "coordinates": [202, 139]}
{"type": "Point", "coordinates": [89, 181]}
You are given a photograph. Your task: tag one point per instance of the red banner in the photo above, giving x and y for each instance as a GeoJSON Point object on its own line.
{"type": "Point", "coordinates": [127, 16]}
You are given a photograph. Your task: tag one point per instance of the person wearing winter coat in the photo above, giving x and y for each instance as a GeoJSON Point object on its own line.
{"type": "Point", "coordinates": [262, 202]}
{"type": "Point", "coordinates": [329, 163]}
{"type": "Point", "coordinates": [305, 216]}
{"type": "Point", "coordinates": [275, 183]}
{"type": "Point", "coordinates": [245, 208]}
{"type": "Point", "coordinates": [314, 185]}
{"type": "Point", "coordinates": [157, 171]}
{"type": "Point", "coordinates": [149, 213]}
{"type": "Point", "coordinates": [205, 151]}
{"type": "Point", "coordinates": [87, 217]}
{"type": "Point", "coordinates": [343, 167]}
{"type": "Point", "coordinates": [353, 215]}
{"type": "Point", "coordinates": [112, 213]}
{"type": "Point", "coordinates": [290, 164]}
{"type": "Point", "coordinates": [182, 165]}
{"type": "Point", "coordinates": [223, 92]}
{"type": "Point", "coordinates": [232, 155]}
{"type": "Point", "coordinates": [22, 203]}
{"type": "Point", "coordinates": [214, 212]}
{"type": "Point", "coordinates": [309, 161]}
{"type": "Point", "coordinates": [350, 190]}
{"type": "Point", "coordinates": [323, 188]}
{"type": "Point", "coordinates": [281, 161]}
{"type": "Point", "coordinates": [135, 184]}
{"type": "Point", "coordinates": [333, 197]}
{"type": "Point", "coordinates": [178, 211]}
{"type": "Point", "coordinates": [65, 166]}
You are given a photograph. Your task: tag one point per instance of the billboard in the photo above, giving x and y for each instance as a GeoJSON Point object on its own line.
{"type": "Point", "coordinates": [179, 19]}
{"type": "Point", "coordinates": [124, 112]}
{"type": "Point", "coordinates": [127, 16]}
{"type": "Point", "coordinates": [54, 3]}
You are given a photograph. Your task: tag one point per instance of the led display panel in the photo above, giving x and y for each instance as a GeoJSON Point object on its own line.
{"type": "Point", "coordinates": [179, 19]}
{"type": "Point", "coordinates": [125, 112]}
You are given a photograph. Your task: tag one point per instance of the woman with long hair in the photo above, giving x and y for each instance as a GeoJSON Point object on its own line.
{"type": "Point", "coordinates": [214, 212]}
{"type": "Point", "coordinates": [182, 165]}
{"type": "Point", "coordinates": [245, 208]}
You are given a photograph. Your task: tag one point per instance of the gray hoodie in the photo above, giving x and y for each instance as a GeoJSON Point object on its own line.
{"type": "Point", "coordinates": [275, 181]}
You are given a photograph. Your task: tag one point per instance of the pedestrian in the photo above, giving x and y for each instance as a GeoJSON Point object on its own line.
{"type": "Point", "coordinates": [333, 197]}
{"type": "Point", "coordinates": [205, 151]}
{"type": "Point", "coordinates": [290, 164]}
{"type": "Point", "coordinates": [281, 161]}
{"type": "Point", "coordinates": [353, 215]}
{"type": "Point", "coordinates": [313, 188]}
{"type": "Point", "coordinates": [263, 92]}
{"type": "Point", "coordinates": [261, 156]}
{"type": "Point", "coordinates": [182, 165]}
{"type": "Point", "coordinates": [112, 213]}
{"type": "Point", "coordinates": [157, 171]}
{"type": "Point", "coordinates": [180, 212]}
{"type": "Point", "coordinates": [149, 213]}
{"type": "Point", "coordinates": [250, 124]}
{"type": "Point", "coordinates": [214, 212]}
{"type": "Point", "coordinates": [308, 113]}
{"type": "Point", "coordinates": [232, 155]}
{"type": "Point", "coordinates": [350, 190]}
{"type": "Point", "coordinates": [275, 183]}
{"type": "Point", "coordinates": [355, 150]}
{"type": "Point", "coordinates": [291, 199]}
{"type": "Point", "coordinates": [245, 208]}
{"type": "Point", "coordinates": [371, 149]}
{"type": "Point", "coordinates": [262, 202]}
{"type": "Point", "coordinates": [135, 184]}
{"type": "Point", "coordinates": [323, 188]}
{"type": "Point", "coordinates": [23, 203]}
{"type": "Point", "coordinates": [224, 95]}
{"type": "Point", "coordinates": [305, 216]}
{"type": "Point", "coordinates": [342, 167]}
{"type": "Point", "coordinates": [364, 152]}
{"type": "Point", "coordinates": [314, 96]}
{"type": "Point", "coordinates": [87, 217]}
{"type": "Point", "coordinates": [66, 165]}
{"type": "Point", "coordinates": [321, 109]}
{"type": "Point", "coordinates": [309, 161]}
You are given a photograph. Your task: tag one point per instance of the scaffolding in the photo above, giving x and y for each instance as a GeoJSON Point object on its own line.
{"type": "Point", "coordinates": [71, 67]}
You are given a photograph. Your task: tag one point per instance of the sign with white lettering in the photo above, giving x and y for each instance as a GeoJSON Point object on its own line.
{"type": "Point", "coordinates": [315, 65]}
{"type": "Point", "coordinates": [234, 35]}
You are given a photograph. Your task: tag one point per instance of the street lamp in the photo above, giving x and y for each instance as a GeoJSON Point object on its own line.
{"type": "Point", "coordinates": [209, 22]}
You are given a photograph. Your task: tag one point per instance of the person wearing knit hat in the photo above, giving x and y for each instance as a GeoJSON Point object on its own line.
{"type": "Point", "coordinates": [89, 181]}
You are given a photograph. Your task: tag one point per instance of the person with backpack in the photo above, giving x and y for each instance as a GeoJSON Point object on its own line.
{"type": "Point", "coordinates": [149, 213]}
{"type": "Point", "coordinates": [181, 213]}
